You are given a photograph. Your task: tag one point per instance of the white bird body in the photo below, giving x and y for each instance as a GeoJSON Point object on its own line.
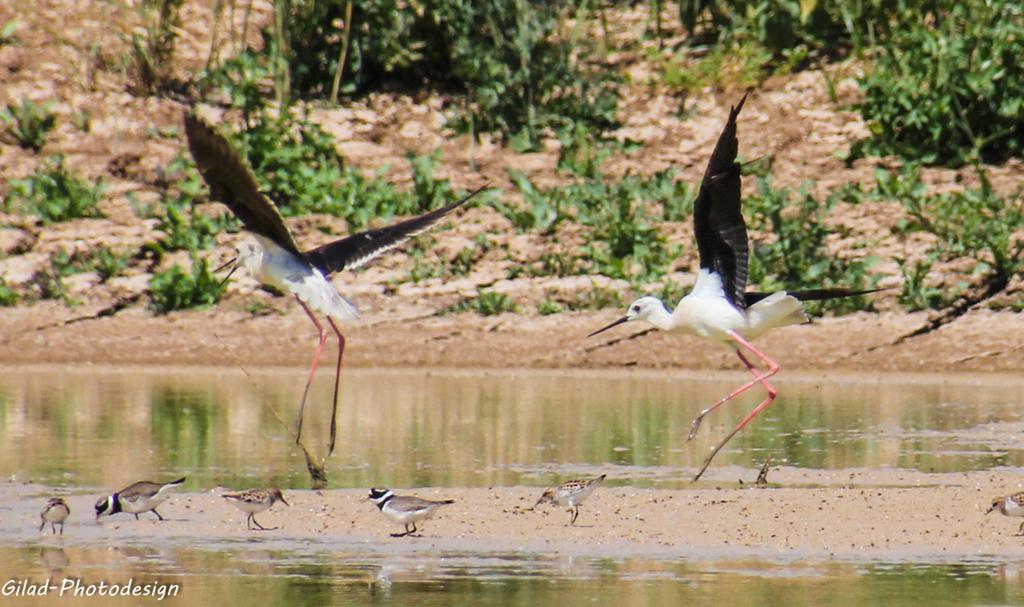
{"type": "Point", "coordinates": [707, 313]}
{"type": "Point", "coordinates": [272, 265]}
{"type": "Point", "coordinates": [274, 258]}
{"type": "Point", "coordinates": [406, 510]}
{"type": "Point", "coordinates": [143, 496]}
{"type": "Point", "coordinates": [719, 308]}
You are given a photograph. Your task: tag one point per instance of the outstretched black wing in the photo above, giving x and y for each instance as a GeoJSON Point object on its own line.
{"type": "Point", "coordinates": [358, 249]}
{"type": "Point", "coordinates": [752, 297]}
{"type": "Point", "coordinates": [232, 182]}
{"type": "Point", "coordinates": [717, 220]}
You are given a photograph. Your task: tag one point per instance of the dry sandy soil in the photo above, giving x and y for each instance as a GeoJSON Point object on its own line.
{"type": "Point", "coordinates": [915, 517]}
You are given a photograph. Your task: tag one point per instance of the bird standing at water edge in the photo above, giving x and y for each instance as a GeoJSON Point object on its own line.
{"type": "Point", "coordinates": [254, 501]}
{"type": "Point", "coordinates": [275, 259]}
{"type": "Point", "coordinates": [571, 494]}
{"type": "Point", "coordinates": [719, 308]}
{"type": "Point", "coordinates": [143, 496]}
{"type": "Point", "coordinates": [1009, 505]}
{"type": "Point", "coordinates": [55, 513]}
{"type": "Point", "coordinates": [406, 510]}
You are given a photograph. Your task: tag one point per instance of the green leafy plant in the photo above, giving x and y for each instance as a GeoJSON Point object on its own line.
{"type": "Point", "coordinates": [176, 289]}
{"type": "Point", "coordinates": [519, 73]}
{"type": "Point", "coordinates": [948, 87]}
{"type": "Point", "coordinates": [549, 306]}
{"type": "Point", "coordinates": [29, 123]}
{"type": "Point", "coordinates": [793, 253]}
{"type": "Point", "coordinates": [7, 31]}
{"type": "Point", "coordinates": [486, 303]}
{"type": "Point", "coordinates": [108, 263]}
{"type": "Point", "coordinates": [8, 296]}
{"type": "Point", "coordinates": [974, 223]}
{"type": "Point", "coordinates": [54, 194]}
{"type": "Point", "coordinates": [918, 292]}
{"type": "Point", "coordinates": [153, 49]}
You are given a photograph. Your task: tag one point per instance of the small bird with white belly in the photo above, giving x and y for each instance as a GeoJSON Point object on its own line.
{"type": "Point", "coordinates": [405, 510]}
{"type": "Point", "coordinates": [719, 308]}
{"type": "Point", "coordinates": [254, 501]}
{"type": "Point", "coordinates": [55, 513]}
{"type": "Point", "coordinates": [571, 494]}
{"type": "Point", "coordinates": [143, 496]}
{"type": "Point", "coordinates": [1010, 505]}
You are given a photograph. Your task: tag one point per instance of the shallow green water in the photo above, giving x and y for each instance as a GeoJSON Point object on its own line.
{"type": "Point", "coordinates": [275, 578]}
{"type": "Point", "coordinates": [94, 428]}
{"type": "Point", "coordinates": [84, 429]}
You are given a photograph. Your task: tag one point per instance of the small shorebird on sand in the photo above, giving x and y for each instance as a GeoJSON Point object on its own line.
{"type": "Point", "coordinates": [1010, 505]}
{"type": "Point", "coordinates": [143, 496]}
{"type": "Point", "coordinates": [405, 510]}
{"type": "Point", "coordinates": [254, 501]}
{"type": "Point", "coordinates": [55, 513]}
{"type": "Point", "coordinates": [571, 494]}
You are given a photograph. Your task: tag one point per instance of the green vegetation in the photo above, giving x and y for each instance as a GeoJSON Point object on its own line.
{"type": "Point", "coordinates": [102, 260]}
{"type": "Point", "coordinates": [948, 86]}
{"type": "Point", "coordinates": [617, 217]}
{"type": "Point", "coordinates": [176, 289]}
{"type": "Point", "coordinates": [55, 194]}
{"type": "Point", "coordinates": [29, 123]}
{"type": "Point", "coordinates": [7, 31]}
{"type": "Point", "coordinates": [486, 303]}
{"type": "Point", "coordinates": [8, 296]}
{"type": "Point", "coordinates": [152, 50]}
{"type": "Point", "coordinates": [972, 223]}
{"type": "Point", "coordinates": [793, 253]}
{"type": "Point", "coordinates": [516, 68]}
{"type": "Point", "coordinates": [297, 163]}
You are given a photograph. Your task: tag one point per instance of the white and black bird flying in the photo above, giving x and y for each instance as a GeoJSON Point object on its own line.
{"type": "Point", "coordinates": [405, 510]}
{"type": "Point", "coordinates": [143, 496]}
{"type": "Point", "coordinates": [274, 258]}
{"type": "Point", "coordinates": [719, 308]}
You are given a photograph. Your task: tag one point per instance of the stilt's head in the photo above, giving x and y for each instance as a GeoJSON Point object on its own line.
{"type": "Point", "coordinates": [647, 308]}
{"type": "Point", "coordinates": [250, 256]}
{"type": "Point", "coordinates": [277, 496]}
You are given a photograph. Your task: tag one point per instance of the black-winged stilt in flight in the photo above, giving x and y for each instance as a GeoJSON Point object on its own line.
{"type": "Point", "coordinates": [275, 259]}
{"type": "Point", "coordinates": [719, 308]}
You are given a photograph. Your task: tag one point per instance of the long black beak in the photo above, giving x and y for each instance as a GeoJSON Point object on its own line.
{"type": "Point", "coordinates": [226, 264]}
{"type": "Point", "coordinates": [614, 324]}
{"type": "Point", "coordinates": [230, 262]}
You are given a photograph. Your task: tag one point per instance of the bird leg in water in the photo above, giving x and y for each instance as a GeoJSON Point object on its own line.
{"type": "Point", "coordinates": [337, 379]}
{"type": "Point", "coordinates": [773, 368]}
{"type": "Point", "coordinates": [312, 369]}
{"type": "Point", "coordinates": [758, 378]}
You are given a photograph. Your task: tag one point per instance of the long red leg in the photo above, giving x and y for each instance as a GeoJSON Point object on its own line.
{"type": "Point", "coordinates": [758, 378]}
{"type": "Point", "coordinates": [337, 379]}
{"type": "Point", "coordinates": [773, 368]}
{"type": "Point", "coordinates": [312, 368]}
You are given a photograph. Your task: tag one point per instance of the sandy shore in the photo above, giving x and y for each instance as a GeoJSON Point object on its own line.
{"type": "Point", "coordinates": [850, 514]}
{"type": "Point", "coordinates": [979, 341]}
